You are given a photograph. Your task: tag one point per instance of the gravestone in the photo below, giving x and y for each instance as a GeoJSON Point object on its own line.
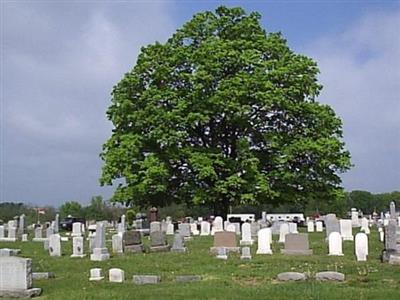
{"type": "Point", "coordinates": [331, 224]}
{"type": "Point", "coordinates": [361, 246]}
{"type": "Point", "coordinates": [76, 229]}
{"type": "Point", "coordinates": [116, 275]}
{"type": "Point", "coordinates": [297, 244]}
{"type": "Point", "coordinates": [132, 241]}
{"type": "Point", "coordinates": [231, 228]}
{"type": "Point", "coordinates": [246, 254]}
{"type": "Point", "coordinates": [100, 251]}
{"type": "Point", "coordinates": [246, 234]}
{"type": "Point", "coordinates": [391, 247]}
{"type": "Point", "coordinates": [16, 278]}
{"type": "Point", "coordinates": [55, 245]}
{"type": "Point", "coordinates": [184, 230]}
{"type": "Point", "coordinates": [392, 210]}
{"type": "Point", "coordinates": [170, 229]}
{"type": "Point", "coordinates": [283, 231]}
{"type": "Point", "coordinates": [49, 231]}
{"type": "Point", "coordinates": [222, 253]}
{"type": "Point", "coordinates": [95, 274]}
{"type": "Point", "coordinates": [226, 240]}
{"type": "Point", "coordinates": [24, 237]}
{"type": "Point", "coordinates": [293, 227]}
{"type": "Point", "coordinates": [310, 226]}
{"type": "Point", "coordinates": [264, 241]}
{"type": "Point", "coordinates": [38, 234]}
{"type": "Point", "coordinates": [77, 247]}
{"type": "Point", "coordinates": [21, 225]}
{"type": "Point", "coordinates": [56, 223]}
{"type": "Point", "coordinates": [178, 245]}
{"type": "Point", "coordinates": [155, 226]}
{"type": "Point", "coordinates": [146, 279]}
{"type": "Point", "coordinates": [12, 234]}
{"type": "Point", "coordinates": [158, 242]}
{"type": "Point", "coordinates": [1, 231]}
{"type": "Point", "coordinates": [276, 227]}
{"type": "Point", "coordinates": [117, 245]}
{"type": "Point", "coordinates": [354, 218]}
{"type": "Point", "coordinates": [9, 252]}
{"type": "Point", "coordinates": [335, 244]}
{"type": "Point", "coordinates": [193, 229]}
{"type": "Point", "coordinates": [237, 228]}
{"type": "Point", "coordinates": [346, 230]}
{"type": "Point", "coordinates": [319, 227]}
{"type": "Point", "coordinates": [217, 225]}
{"type": "Point", "coordinates": [204, 228]}
{"type": "Point", "coordinates": [365, 225]}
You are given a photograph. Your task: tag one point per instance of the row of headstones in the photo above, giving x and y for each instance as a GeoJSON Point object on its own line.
{"type": "Point", "coordinates": [294, 244]}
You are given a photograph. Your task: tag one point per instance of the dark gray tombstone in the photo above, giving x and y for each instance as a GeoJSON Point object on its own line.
{"type": "Point", "coordinates": [158, 242]}
{"type": "Point", "coordinates": [132, 241]}
{"type": "Point", "coordinates": [296, 244]}
{"type": "Point", "coordinates": [179, 244]}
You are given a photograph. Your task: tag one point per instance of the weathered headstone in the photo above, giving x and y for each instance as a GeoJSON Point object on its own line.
{"type": "Point", "coordinates": [77, 247]}
{"type": "Point", "coordinates": [246, 254]}
{"type": "Point", "coordinates": [291, 276]}
{"type": "Point", "coordinates": [193, 229]}
{"type": "Point", "coordinates": [365, 225]}
{"type": "Point", "coordinates": [217, 225]}
{"type": "Point", "coordinates": [55, 245]}
{"type": "Point", "coordinates": [354, 218]}
{"type": "Point", "coordinates": [205, 228]}
{"type": "Point", "coordinates": [246, 234]}
{"type": "Point", "coordinates": [12, 234]}
{"type": "Point", "coordinates": [100, 251]}
{"type": "Point", "coordinates": [310, 226]}
{"type": "Point", "coordinates": [24, 237]}
{"type": "Point", "coordinates": [346, 230]}
{"type": "Point", "coordinates": [116, 275]}
{"type": "Point", "coordinates": [222, 253]}
{"type": "Point", "coordinates": [170, 229]}
{"type": "Point", "coordinates": [231, 228]}
{"type": "Point", "coordinates": [117, 246]}
{"type": "Point", "coordinates": [95, 274]}
{"type": "Point", "coordinates": [1, 231]}
{"type": "Point", "coordinates": [392, 210]}
{"type": "Point", "coordinates": [155, 226]}
{"type": "Point", "coordinates": [293, 227]}
{"type": "Point", "coordinates": [319, 227]}
{"type": "Point", "coordinates": [184, 230]}
{"type": "Point", "coordinates": [158, 242]}
{"type": "Point", "coordinates": [331, 224]}
{"type": "Point", "coordinates": [283, 231]}
{"type": "Point", "coordinates": [361, 246]}
{"type": "Point", "coordinates": [178, 245]}
{"type": "Point", "coordinates": [264, 241]}
{"type": "Point", "coordinates": [132, 241]}
{"type": "Point", "coordinates": [146, 279]}
{"type": "Point", "coordinates": [21, 225]}
{"type": "Point", "coordinates": [16, 278]}
{"type": "Point", "coordinates": [76, 229]}
{"type": "Point", "coordinates": [226, 240]}
{"type": "Point", "coordinates": [391, 247]}
{"type": "Point", "coordinates": [297, 244]}
{"type": "Point", "coordinates": [255, 227]}
{"type": "Point", "coordinates": [56, 223]}
{"type": "Point", "coordinates": [335, 244]}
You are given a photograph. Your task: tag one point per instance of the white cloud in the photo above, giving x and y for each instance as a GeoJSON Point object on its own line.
{"type": "Point", "coordinates": [360, 71]}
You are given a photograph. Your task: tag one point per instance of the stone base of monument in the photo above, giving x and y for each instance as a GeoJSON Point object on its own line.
{"type": "Point", "coordinates": [99, 254]}
{"type": "Point", "coordinates": [347, 238]}
{"type": "Point", "coordinates": [78, 255]}
{"type": "Point", "coordinates": [29, 293]}
{"type": "Point", "coordinates": [187, 238]}
{"type": "Point", "coordinates": [8, 239]}
{"type": "Point", "coordinates": [297, 252]}
{"type": "Point", "coordinates": [164, 248]}
{"type": "Point", "coordinates": [178, 249]}
{"type": "Point", "coordinates": [387, 253]}
{"type": "Point", "coordinates": [214, 250]}
{"type": "Point", "coordinates": [134, 248]}
{"type": "Point", "coordinates": [394, 259]}
{"type": "Point", "coordinates": [246, 243]}
{"type": "Point", "coordinates": [39, 239]}
{"type": "Point", "coordinates": [264, 251]}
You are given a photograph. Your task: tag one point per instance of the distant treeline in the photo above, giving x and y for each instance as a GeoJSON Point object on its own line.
{"type": "Point", "coordinates": [98, 209]}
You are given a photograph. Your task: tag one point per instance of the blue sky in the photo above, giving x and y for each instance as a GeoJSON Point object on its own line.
{"type": "Point", "coordinates": [60, 60]}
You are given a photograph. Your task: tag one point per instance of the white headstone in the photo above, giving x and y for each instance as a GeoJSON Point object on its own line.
{"type": "Point", "coordinates": [264, 241]}
{"type": "Point", "coordinates": [1, 231]}
{"type": "Point", "coordinates": [335, 244]}
{"type": "Point", "coordinates": [170, 229]}
{"type": "Point", "coordinates": [100, 252]}
{"type": "Point", "coordinates": [15, 273]}
{"type": "Point", "coordinates": [246, 234]}
{"type": "Point", "coordinates": [354, 218]}
{"type": "Point", "coordinates": [319, 227]}
{"type": "Point", "coordinates": [283, 230]}
{"type": "Point", "coordinates": [95, 274]}
{"type": "Point", "coordinates": [231, 228]}
{"type": "Point", "coordinates": [217, 225]}
{"type": "Point", "coordinates": [155, 226]}
{"type": "Point", "coordinates": [76, 229]}
{"type": "Point", "coordinates": [346, 230]}
{"type": "Point", "coordinates": [365, 225]}
{"type": "Point", "coordinates": [293, 227]}
{"type": "Point", "coordinates": [24, 237]}
{"type": "Point", "coordinates": [116, 275]}
{"type": "Point", "coordinates": [117, 244]}
{"type": "Point", "coordinates": [193, 229]}
{"type": "Point", "coordinates": [77, 247]}
{"type": "Point", "coordinates": [361, 246]}
{"type": "Point", "coordinates": [205, 228]}
{"type": "Point", "coordinates": [310, 226]}
{"type": "Point", "coordinates": [55, 245]}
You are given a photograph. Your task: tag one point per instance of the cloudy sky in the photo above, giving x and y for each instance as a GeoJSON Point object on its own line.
{"type": "Point", "coordinates": [60, 60]}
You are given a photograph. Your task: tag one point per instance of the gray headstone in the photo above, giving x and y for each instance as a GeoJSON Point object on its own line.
{"type": "Point", "coordinates": [178, 245]}
{"type": "Point", "coordinates": [296, 244]}
{"type": "Point", "coordinates": [329, 276]}
{"type": "Point", "coordinates": [146, 279]}
{"type": "Point", "coordinates": [188, 278]}
{"type": "Point", "coordinates": [184, 229]}
{"type": "Point", "coordinates": [132, 237]}
{"type": "Point", "coordinates": [157, 238]}
{"type": "Point", "coordinates": [392, 210]}
{"type": "Point", "coordinates": [331, 224]}
{"type": "Point", "coordinates": [246, 254]}
{"type": "Point", "coordinates": [292, 276]}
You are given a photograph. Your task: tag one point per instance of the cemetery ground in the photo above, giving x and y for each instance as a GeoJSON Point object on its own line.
{"type": "Point", "coordinates": [230, 279]}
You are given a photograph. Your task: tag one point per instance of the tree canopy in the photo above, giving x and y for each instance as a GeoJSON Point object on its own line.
{"type": "Point", "coordinates": [222, 114]}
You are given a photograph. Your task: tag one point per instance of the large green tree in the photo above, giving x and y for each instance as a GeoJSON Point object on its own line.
{"type": "Point", "coordinates": [222, 114]}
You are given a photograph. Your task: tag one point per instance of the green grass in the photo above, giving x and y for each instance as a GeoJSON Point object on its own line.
{"type": "Point", "coordinates": [231, 279]}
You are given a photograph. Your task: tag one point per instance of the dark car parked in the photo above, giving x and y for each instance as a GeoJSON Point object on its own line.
{"type": "Point", "coordinates": [66, 224]}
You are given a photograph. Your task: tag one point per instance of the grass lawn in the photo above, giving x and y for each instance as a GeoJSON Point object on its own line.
{"type": "Point", "coordinates": [231, 279]}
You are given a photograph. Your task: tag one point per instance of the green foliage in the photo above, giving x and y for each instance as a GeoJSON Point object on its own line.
{"type": "Point", "coordinates": [130, 216]}
{"type": "Point", "coordinates": [223, 114]}
{"type": "Point", "coordinates": [72, 208]}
